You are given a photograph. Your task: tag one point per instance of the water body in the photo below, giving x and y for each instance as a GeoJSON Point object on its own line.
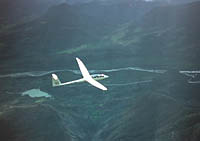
{"type": "Point", "coordinates": [36, 93]}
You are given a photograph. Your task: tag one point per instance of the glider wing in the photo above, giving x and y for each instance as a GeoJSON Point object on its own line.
{"type": "Point", "coordinates": [96, 84]}
{"type": "Point", "coordinates": [87, 77]}
{"type": "Point", "coordinates": [83, 69]}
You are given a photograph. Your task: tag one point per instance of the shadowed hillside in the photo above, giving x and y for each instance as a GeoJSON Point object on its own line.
{"type": "Point", "coordinates": [22, 10]}
{"type": "Point", "coordinates": [142, 48]}
{"type": "Point", "coordinates": [64, 29]}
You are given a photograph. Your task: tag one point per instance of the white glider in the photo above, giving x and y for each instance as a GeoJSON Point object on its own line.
{"type": "Point", "coordinates": [86, 77]}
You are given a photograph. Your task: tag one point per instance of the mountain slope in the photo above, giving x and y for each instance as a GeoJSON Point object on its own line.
{"type": "Point", "coordinates": [166, 36]}
{"type": "Point", "coordinates": [22, 10]}
{"type": "Point", "coordinates": [139, 105]}
{"type": "Point", "coordinates": [66, 29]}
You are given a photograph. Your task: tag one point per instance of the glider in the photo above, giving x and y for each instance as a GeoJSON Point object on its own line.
{"type": "Point", "coordinates": [86, 77]}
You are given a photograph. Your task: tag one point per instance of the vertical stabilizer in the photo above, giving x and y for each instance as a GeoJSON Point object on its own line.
{"type": "Point", "coordinates": [55, 80]}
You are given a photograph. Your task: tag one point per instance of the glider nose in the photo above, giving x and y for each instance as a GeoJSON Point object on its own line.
{"type": "Point", "coordinates": [106, 76]}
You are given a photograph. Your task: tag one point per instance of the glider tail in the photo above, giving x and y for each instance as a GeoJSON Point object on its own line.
{"type": "Point", "coordinates": [55, 80]}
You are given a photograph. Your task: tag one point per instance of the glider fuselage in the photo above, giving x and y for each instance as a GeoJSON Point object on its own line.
{"type": "Point", "coordinates": [94, 76]}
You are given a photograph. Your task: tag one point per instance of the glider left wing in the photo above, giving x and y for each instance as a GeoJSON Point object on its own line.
{"type": "Point", "coordinates": [83, 69]}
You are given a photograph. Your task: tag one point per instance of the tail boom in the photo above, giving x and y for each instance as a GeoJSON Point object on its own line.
{"type": "Point", "coordinates": [56, 81]}
{"type": "Point", "coordinates": [74, 81]}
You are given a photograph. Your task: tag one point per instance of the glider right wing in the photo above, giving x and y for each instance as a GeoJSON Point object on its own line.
{"type": "Point", "coordinates": [96, 84]}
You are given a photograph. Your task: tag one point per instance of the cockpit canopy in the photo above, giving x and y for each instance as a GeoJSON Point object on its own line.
{"type": "Point", "coordinates": [97, 75]}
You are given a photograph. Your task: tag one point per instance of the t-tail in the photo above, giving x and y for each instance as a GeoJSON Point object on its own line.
{"type": "Point", "coordinates": [55, 80]}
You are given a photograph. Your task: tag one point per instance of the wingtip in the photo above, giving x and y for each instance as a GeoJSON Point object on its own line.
{"type": "Point", "coordinates": [105, 89]}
